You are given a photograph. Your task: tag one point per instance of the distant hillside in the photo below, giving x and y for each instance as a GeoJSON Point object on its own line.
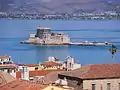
{"type": "Point", "coordinates": [59, 6]}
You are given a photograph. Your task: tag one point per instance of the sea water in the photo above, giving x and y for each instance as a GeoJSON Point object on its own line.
{"type": "Point", "coordinates": [13, 31]}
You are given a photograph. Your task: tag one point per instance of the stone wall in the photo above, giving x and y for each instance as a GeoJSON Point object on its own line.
{"type": "Point", "coordinates": [101, 84]}
{"type": "Point", "coordinates": [76, 83]}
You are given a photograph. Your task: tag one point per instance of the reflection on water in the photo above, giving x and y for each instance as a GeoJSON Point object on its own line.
{"type": "Point", "coordinates": [13, 31]}
{"type": "Point", "coordinates": [42, 53]}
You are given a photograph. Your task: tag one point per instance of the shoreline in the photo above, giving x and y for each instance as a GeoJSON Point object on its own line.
{"type": "Point", "coordinates": [68, 44]}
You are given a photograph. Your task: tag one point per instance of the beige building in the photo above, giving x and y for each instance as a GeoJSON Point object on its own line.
{"type": "Point", "coordinates": [102, 84]}
{"type": "Point", "coordinates": [94, 77]}
{"type": "Point", "coordinates": [56, 88]}
{"type": "Point", "coordinates": [51, 64]}
{"type": "Point", "coordinates": [9, 68]}
{"type": "Point", "coordinates": [31, 67]}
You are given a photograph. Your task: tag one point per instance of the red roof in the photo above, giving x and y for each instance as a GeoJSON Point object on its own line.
{"type": "Point", "coordinates": [5, 78]}
{"type": "Point", "coordinates": [37, 73]}
{"type": "Point", "coordinates": [22, 85]}
{"type": "Point", "coordinates": [29, 65]}
{"type": "Point", "coordinates": [1, 57]}
{"type": "Point", "coordinates": [97, 71]}
{"type": "Point", "coordinates": [8, 66]}
{"type": "Point", "coordinates": [51, 63]}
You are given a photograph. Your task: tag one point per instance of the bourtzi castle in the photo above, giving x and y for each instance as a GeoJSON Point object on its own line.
{"type": "Point", "coordinates": [46, 37]}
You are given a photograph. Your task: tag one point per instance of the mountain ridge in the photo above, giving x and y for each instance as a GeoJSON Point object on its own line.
{"type": "Point", "coordinates": [59, 6]}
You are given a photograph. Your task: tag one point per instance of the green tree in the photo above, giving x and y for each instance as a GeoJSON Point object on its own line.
{"type": "Point", "coordinates": [113, 50]}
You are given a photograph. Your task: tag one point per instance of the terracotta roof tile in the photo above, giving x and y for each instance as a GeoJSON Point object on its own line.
{"type": "Point", "coordinates": [22, 85]}
{"type": "Point", "coordinates": [2, 57]}
{"type": "Point", "coordinates": [5, 78]}
{"type": "Point", "coordinates": [37, 73]}
{"type": "Point", "coordinates": [8, 66]}
{"type": "Point", "coordinates": [51, 77]}
{"type": "Point", "coordinates": [29, 65]}
{"type": "Point", "coordinates": [51, 63]}
{"type": "Point", "coordinates": [96, 71]}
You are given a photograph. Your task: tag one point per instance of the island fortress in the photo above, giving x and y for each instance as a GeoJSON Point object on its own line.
{"type": "Point", "coordinates": [44, 36]}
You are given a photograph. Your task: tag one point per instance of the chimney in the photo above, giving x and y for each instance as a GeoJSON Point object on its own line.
{"type": "Point", "coordinates": [25, 73]}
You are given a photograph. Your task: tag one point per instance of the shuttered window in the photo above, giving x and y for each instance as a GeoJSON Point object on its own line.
{"type": "Point", "coordinates": [93, 86]}
{"type": "Point", "coordinates": [119, 86]}
{"type": "Point", "coordinates": [108, 86]}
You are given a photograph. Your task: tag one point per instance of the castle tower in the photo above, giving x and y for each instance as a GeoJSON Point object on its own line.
{"type": "Point", "coordinates": [43, 33]}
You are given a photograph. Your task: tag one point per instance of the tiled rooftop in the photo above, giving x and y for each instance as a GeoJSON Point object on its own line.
{"type": "Point", "coordinates": [22, 85]}
{"type": "Point", "coordinates": [37, 73]}
{"type": "Point", "coordinates": [96, 71]}
{"type": "Point", "coordinates": [8, 66]}
{"type": "Point", "coordinates": [51, 77]}
{"type": "Point", "coordinates": [51, 63]}
{"type": "Point", "coordinates": [29, 65]}
{"type": "Point", "coordinates": [2, 57]}
{"type": "Point", "coordinates": [5, 78]}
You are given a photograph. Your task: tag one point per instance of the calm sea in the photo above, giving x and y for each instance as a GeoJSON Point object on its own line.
{"type": "Point", "coordinates": [13, 31]}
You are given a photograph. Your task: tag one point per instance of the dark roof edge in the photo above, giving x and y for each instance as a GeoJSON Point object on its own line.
{"type": "Point", "coordinates": [89, 78]}
{"type": "Point", "coordinates": [100, 78]}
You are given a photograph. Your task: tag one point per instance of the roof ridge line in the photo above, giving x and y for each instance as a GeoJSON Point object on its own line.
{"type": "Point", "coordinates": [89, 67]}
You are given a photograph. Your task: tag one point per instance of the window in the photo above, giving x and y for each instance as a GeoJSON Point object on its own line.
{"type": "Point", "coordinates": [9, 59]}
{"type": "Point", "coordinates": [119, 86]}
{"type": "Point", "coordinates": [14, 70]}
{"type": "Point", "coordinates": [101, 88]}
{"type": "Point", "coordinates": [2, 60]}
{"type": "Point", "coordinates": [36, 68]}
{"type": "Point", "coordinates": [9, 70]}
{"type": "Point", "coordinates": [1, 69]}
{"type": "Point", "coordinates": [108, 86]}
{"type": "Point", "coordinates": [93, 86]}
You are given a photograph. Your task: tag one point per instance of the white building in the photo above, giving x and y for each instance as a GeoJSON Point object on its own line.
{"type": "Point", "coordinates": [5, 60]}
{"type": "Point", "coordinates": [31, 67]}
{"type": "Point", "coordinates": [70, 64]}
{"type": "Point", "coordinates": [7, 65]}
{"type": "Point", "coordinates": [24, 72]}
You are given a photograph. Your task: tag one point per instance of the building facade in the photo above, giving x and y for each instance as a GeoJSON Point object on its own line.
{"type": "Point", "coordinates": [94, 77]}
{"type": "Point", "coordinates": [102, 84]}
{"type": "Point", "coordinates": [70, 64]}
{"type": "Point", "coordinates": [31, 67]}
{"type": "Point", "coordinates": [51, 64]}
{"type": "Point", "coordinates": [7, 65]}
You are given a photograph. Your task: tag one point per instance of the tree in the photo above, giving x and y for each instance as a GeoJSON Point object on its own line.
{"type": "Point", "coordinates": [113, 50]}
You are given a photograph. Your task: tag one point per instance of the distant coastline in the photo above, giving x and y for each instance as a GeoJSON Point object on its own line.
{"type": "Point", "coordinates": [63, 16]}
